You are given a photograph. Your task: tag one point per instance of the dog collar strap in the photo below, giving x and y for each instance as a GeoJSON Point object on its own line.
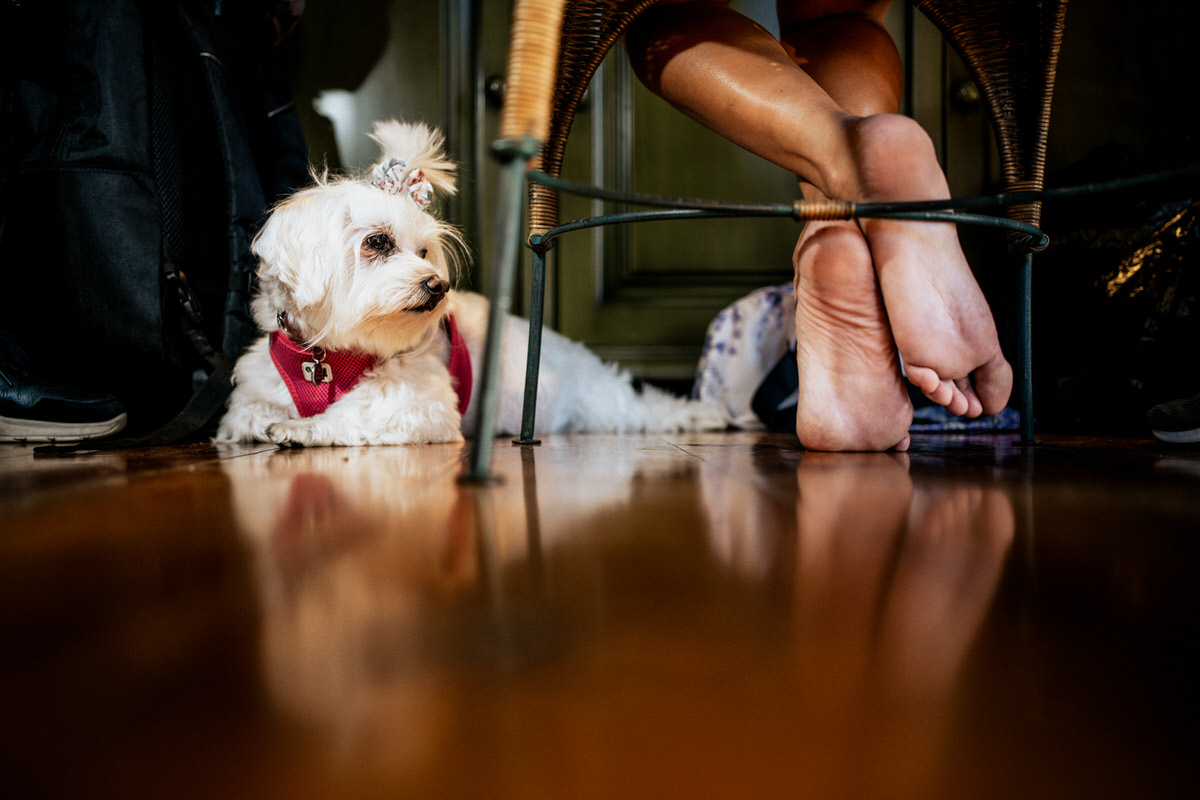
{"type": "Point", "coordinates": [315, 378]}
{"type": "Point", "coordinates": [460, 364]}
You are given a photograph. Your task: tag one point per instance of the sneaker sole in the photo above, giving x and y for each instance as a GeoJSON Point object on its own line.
{"type": "Point", "coordinates": [35, 430]}
{"type": "Point", "coordinates": [1178, 437]}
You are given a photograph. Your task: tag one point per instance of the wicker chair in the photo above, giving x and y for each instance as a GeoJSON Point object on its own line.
{"type": "Point", "coordinates": [1010, 47]}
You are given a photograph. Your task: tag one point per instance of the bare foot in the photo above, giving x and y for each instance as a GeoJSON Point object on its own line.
{"type": "Point", "coordinates": [852, 396]}
{"type": "Point", "coordinates": [941, 322]}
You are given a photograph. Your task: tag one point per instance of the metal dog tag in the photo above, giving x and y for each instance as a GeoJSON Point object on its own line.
{"type": "Point", "coordinates": [316, 372]}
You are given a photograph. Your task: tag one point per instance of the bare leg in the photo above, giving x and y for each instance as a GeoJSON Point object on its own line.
{"type": "Point", "coordinates": [941, 322]}
{"type": "Point", "coordinates": [851, 395]}
{"type": "Point", "coordinates": [853, 59]}
{"type": "Point", "coordinates": [730, 74]}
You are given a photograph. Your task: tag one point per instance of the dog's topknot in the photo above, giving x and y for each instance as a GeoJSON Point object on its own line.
{"type": "Point", "coordinates": [419, 147]}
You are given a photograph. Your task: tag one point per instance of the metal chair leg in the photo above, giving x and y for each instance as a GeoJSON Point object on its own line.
{"type": "Point", "coordinates": [533, 359]}
{"type": "Point", "coordinates": [513, 155]}
{"type": "Point", "coordinates": [1025, 348]}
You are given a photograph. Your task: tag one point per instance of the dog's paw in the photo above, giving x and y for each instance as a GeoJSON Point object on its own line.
{"type": "Point", "coordinates": [433, 431]}
{"type": "Point", "coordinates": [292, 433]}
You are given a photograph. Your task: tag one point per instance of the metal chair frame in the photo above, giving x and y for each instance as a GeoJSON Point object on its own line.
{"type": "Point", "coordinates": [1010, 47]}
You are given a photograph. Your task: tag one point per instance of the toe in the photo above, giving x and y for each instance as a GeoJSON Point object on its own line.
{"type": "Point", "coordinates": [958, 404]}
{"type": "Point", "coordinates": [993, 385]}
{"type": "Point", "coordinates": [939, 392]}
{"type": "Point", "coordinates": [974, 406]}
{"type": "Point", "coordinates": [924, 379]}
{"type": "Point", "coordinates": [949, 396]}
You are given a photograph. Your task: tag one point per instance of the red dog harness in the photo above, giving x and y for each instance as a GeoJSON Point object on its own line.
{"type": "Point", "coordinates": [316, 378]}
{"type": "Point", "coordinates": [460, 364]}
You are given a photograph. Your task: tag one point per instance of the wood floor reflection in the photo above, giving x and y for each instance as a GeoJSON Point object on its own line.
{"type": "Point", "coordinates": [714, 615]}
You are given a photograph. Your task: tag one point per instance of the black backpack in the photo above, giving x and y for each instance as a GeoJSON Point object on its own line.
{"type": "Point", "coordinates": [141, 144]}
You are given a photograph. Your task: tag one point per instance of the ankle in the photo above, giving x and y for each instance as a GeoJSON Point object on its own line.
{"type": "Point", "coordinates": [895, 159]}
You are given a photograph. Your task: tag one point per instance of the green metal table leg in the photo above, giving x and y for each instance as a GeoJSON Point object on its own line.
{"type": "Point", "coordinates": [1025, 349]}
{"type": "Point", "coordinates": [510, 206]}
{"type": "Point", "coordinates": [533, 358]}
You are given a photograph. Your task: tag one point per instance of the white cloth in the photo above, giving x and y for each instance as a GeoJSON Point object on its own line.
{"type": "Point", "coordinates": [744, 342]}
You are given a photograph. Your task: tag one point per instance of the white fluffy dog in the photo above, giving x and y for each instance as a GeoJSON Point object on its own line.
{"type": "Point", "coordinates": [365, 343]}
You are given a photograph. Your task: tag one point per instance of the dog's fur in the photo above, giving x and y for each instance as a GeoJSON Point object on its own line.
{"type": "Point", "coordinates": [341, 286]}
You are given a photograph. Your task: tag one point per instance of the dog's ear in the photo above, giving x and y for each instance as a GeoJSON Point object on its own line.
{"type": "Point", "coordinates": [419, 147]}
{"type": "Point", "coordinates": [293, 233]}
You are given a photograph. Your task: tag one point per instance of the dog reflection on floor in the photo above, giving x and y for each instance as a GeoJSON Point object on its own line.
{"type": "Point", "coordinates": [350, 547]}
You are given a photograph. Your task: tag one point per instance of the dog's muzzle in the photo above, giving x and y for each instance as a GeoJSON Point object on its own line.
{"type": "Point", "coordinates": [436, 289]}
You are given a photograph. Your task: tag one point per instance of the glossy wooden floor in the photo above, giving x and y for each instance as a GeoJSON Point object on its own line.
{"type": "Point", "coordinates": [705, 616]}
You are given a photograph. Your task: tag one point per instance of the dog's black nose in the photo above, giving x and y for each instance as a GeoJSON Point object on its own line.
{"type": "Point", "coordinates": [436, 286]}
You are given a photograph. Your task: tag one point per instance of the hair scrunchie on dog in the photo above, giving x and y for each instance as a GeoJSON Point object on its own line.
{"type": "Point", "coordinates": [394, 177]}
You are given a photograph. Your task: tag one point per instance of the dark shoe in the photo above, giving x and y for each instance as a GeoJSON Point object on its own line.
{"type": "Point", "coordinates": [1177, 422]}
{"type": "Point", "coordinates": [35, 410]}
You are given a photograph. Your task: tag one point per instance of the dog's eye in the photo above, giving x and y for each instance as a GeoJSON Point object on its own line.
{"type": "Point", "coordinates": [380, 243]}
{"type": "Point", "coordinates": [423, 253]}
